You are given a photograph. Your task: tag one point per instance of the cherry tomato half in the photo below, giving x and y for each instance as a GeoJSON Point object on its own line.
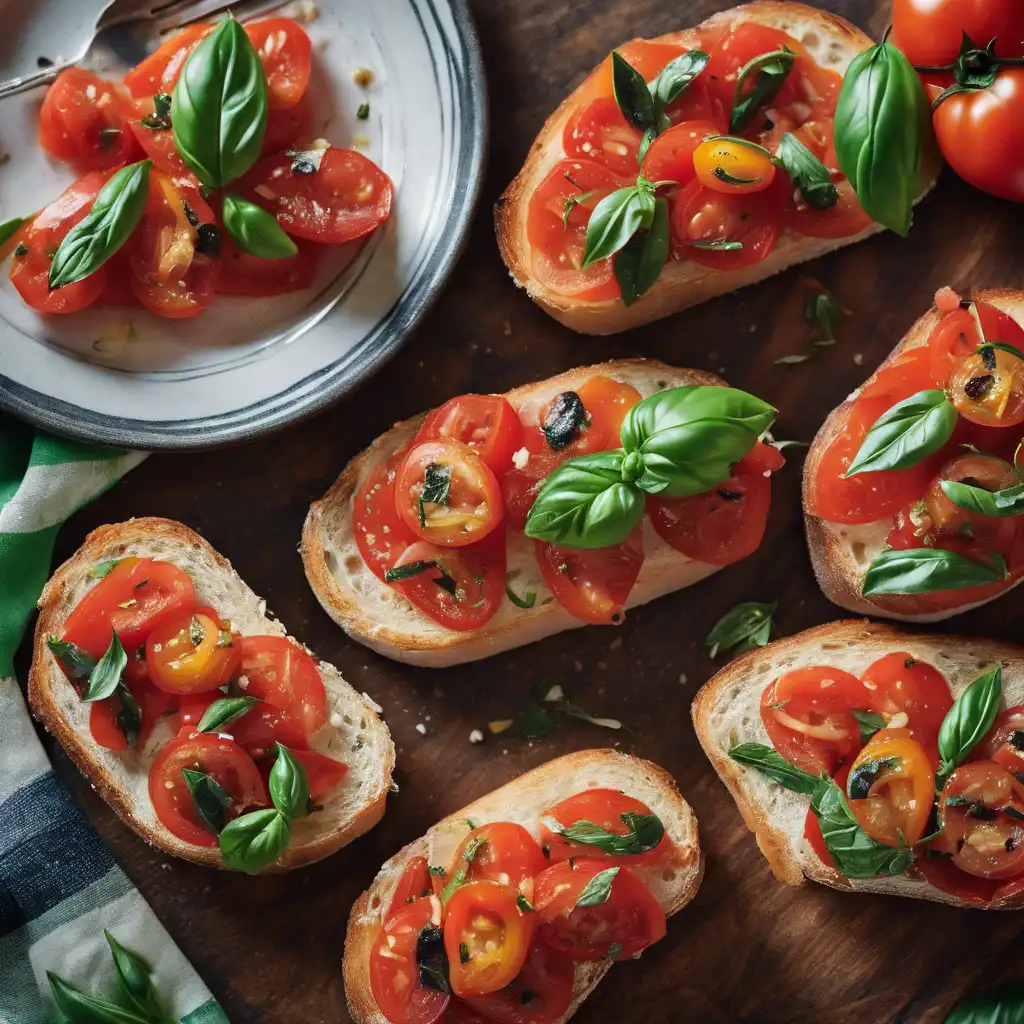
{"type": "Point", "coordinates": [160, 70]}
{"type": "Point", "coordinates": [186, 654]}
{"type": "Point", "coordinates": [381, 534]}
{"type": "Point", "coordinates": [505, 853]}
{"type": "Point", "coordinates": [1004, 743]}
{"type": "Point", "coordinates": [600, 133]}
{"type": "Point", "coordinates": [670, 155]}
{"type": "Point", "coordinates": [485, 423]}
{"type": "Point", "coordinates": [282, 673]}
{"type": "Point", "coordinates": [415, 883]}
{"type": "Point", "coordinates": [105, 721]}
{"type": "Point", "coordinates": [540, 994]}
{"type": "Point", "coordinates": [255, 732]}
{"type": "Point", "coordinates": [734, 166]}
{"type": "Point", "coordinates": [285, 52]}
{"type": "Point", "coordinates": [988, 388]}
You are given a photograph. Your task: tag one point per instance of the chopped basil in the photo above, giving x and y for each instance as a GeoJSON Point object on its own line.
{"type": "Point", "coordinates": [437, 479]}
{"type": "Point", "coordinates": [208, 243]}
{"type": "Point", "coordinates": [407, 571]}
{"type": "Point", "coordinates": [432, 960]}
{"type": "Point", "coordinates": [526, 601]}
{"type": "Point", "coordinates": [210, 799]}
{"type": "Point", "coordinates": [716, 245]}
{"type": "Point", "coordinates": [363, 112]}
{"type": "Point", "coordinates": [458, 879]}
{"type": "Point", "coordinates": [766, 74]}
{"type": "Point", "coordinates": [599, 889]}
{"type": "Point", "coordinates": [744, 627]}
{"type": "Point", "coordinates": [78, 664]}
{"type": "Point", "coordinates": [21, 249]}
{"type": "Point", "coordinates": [160, 119]}
{"type": "Point", "coordinates": [224, 711]}
{"type": "Point", "coordinates": [103, 569]}
{"type": "Point", "coordinates": [564, 417]}
{"type": "Point", "coordinates": [866, 774]}
{"type": "Point", "coordinates": [774, 766]}
{"type": "Point", "coordinates": [870, 722]}
{"type": "Point", "coordinates": [644, 833]}
{"type": "Point", "coordinates": [524, 904]}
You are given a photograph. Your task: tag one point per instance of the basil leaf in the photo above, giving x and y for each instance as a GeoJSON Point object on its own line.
{"type": "Point", "coordinates": [774, 766]}
{"type": "Point", "coordinates": [256, 230]}
{"type": "Point", "coordinates": [129, 716]}
{"type": "Point", "coordinates": [924, 570]}
{"type": "Point", "coordinates": [769, 72]}
{"type": "Point", "coordinates": [77, 663]}
{"type": "Point", "coordinates": [210, 799]}
{"type": "Point", "coordinates": [458, 879]}
{"type": "Point", "coordinates": [855, 853]}
{"type": "Point", "coordinates": [289, 785]}
{"type": "Point", "coordinates": [223, 711]}
{"type": "Point", "coordinates": [76, 1007]}
{"type": "Point", "coordinates": [870, 722]}
{"type": "Point", "coordinates": [645, 832]}
{"type": "Point", "coordinates": [882, 117]}
{"type": "Point", "coordinates": [9, 227]}
{"type": "Point", "coordinates": [598, 890]}
{"type": "Point", "coordinates": [823, 308]}
{"type": "Point", "coordinates": [616, 219]}
{"type": "Point", "coordinates": [994, 345]}
{"type": "Point", "coordinates": [220, 106]}
{"type": "Point", "coordinates": [585, 503]}
{"type": "Point", "coordinates": [908, 433]}
{"type": "Point", "coordinates": [526, 601]}
{"type": "Point", "coordinates": [105, 678]}
{"type": "Point", "coordinates": [255, 840]}
{"type": "Point", "coordinates": [688, 438]}
{"type": "Point", "coordinates": [716, 245]}
{"type": "Point", "coordinates": [1001, 1006]}
{"type": "Point", "coordinates": [94, 239]}
{"type": "Point", "coordinates": [103, 569]}
{"type": "Point", "coordinates": [437, 479]}
{"type": "Point", "coordinates": [866, 774]}
{"type": "Point", "coordinates": [432, 959]}
{"type": "Point", "coordinates": [674, 79]}
{"type": "Point", "coordinates": [407, 571]}
{"type": "Point", "coordinates": [136, 980]}
{"type": "Point", "coordinates": [640, 262]}
{"type": "Point", "coordinates": [534, 721]}
{"type": "Point", "coordinates": [995, 504]}
{"type": "Point", "coordinates": [748, 624]}
{"type": "Point", "coordinates": [631, 93]}
{"type": "Point", "coordinates": [809, 174]}
{"type": "Point", "coordinates": [969, 720]}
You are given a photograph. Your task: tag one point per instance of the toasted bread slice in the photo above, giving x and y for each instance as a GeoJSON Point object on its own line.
{"type": "Point", "coordinates": [842, 553]}
{"type": "Point", "coordinates": [673, 882]}
{"type": "Point", "coordinates": [377, 615]}
{"type": "Point", "coordinates": [727, 712]}
{"type": "Point", "coordinates": [831, 40]}
{"type": "Point", "coordinates": [355, 733]}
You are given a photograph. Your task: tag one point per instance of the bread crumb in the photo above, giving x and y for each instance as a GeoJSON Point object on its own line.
{"type": "Point", "coordinates": [521, 458]}
{"type": "Point", "coordinates": [577, 666]}
{"type": "Point", "coordinates": [336, 720]}
{"type": "Point", "coordinates": [506, 328]}
{"type": "Point", "coordinates": [858, 358]}
{"type": "Point", "coordinates": [682, 678]}
{"type": "Point", "coordinates": [421, 728]}
{"type": "Point", "coordinates": [556, 693]}
{"type": "Point", "coordinates": [243, 682]}
{"type": "Point", "coordinates": [476, 736]}
{"type": "Point", "coordinates": [373, 704]}
{"type": "Point", "coordinates": [615, 644]}
{"type": "Point", "coordinates": [362, 77]}
{"type": "Point", "coordinates": [361, 141]}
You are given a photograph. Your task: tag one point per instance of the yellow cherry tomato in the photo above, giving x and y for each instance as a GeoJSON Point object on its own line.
{"type": "Point", "coordinates": [988, 388]}
{"type": "Point", "coordinates": [733, 165]}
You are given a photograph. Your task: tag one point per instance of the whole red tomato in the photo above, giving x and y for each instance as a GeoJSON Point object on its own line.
{"type": "Point", "coordinates": [929, 32]}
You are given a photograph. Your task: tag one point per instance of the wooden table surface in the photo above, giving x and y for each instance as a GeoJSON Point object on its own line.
{"type": "Point", "coordinates": [747, 948]}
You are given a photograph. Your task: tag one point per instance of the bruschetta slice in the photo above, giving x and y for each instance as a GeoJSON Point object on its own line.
{"type": "Point", "coordinates": [753, 83]}
{"type": "Point", "coordinates": [875, 760]}
{"type": "Point", "coordinates": [913, 495]}
{"type": "Point", "coordinates": [526, 897]}
{"type": "Point", "coordinates": [496, 520]}
{"type": "Point", "coordinates": [212, 733]}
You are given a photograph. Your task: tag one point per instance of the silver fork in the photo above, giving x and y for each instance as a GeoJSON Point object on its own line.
{"type": "Point", "coordinates": [134, 28]}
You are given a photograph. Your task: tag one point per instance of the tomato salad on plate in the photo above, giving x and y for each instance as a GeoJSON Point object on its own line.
{"type": "Point", "coordinates": [903, 780]}
{"type": "Point", "coordinates": [142, 649]}
{"type": "Point", "coordinates": [497, 934]}
{"type": "Point", "coordinates": [199, 176]}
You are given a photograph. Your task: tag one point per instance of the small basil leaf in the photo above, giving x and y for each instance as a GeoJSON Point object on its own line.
{"type": "Point", "coordinates": [93, 240]}
{"type": "Point", "coordinates": [458, 879]}
{"type": "Point", "coordinates": [640, 262]}
{"type": "Point", "coordinates": [534, 721]}
{"type": "Point", "coordinates": [854, 852]}
{"type": "Point", "coordinates": [676, 76]}
{"type": "Point", "coordinates": [129, 715]}
{"type": "Point", "coordinates": [598, 890]}
{"type": "Point", "coordinates": [437, 480]}
{"type": "Point", "coordinates": [222, 712]}
{"type": "Point", "coordinates": [255, 230]}
{"type": "Point", "coordinates": [995, 504]}
{"type": "Point", "coordinates": [1001, 1006]}
{"type": "Point", "coordinates": [924, 570]}
{"type": "Point", "coordinates": [526, 601]}
{"type": "Point", "coordinates": [136, 980]}
{"type": "Point", "coordinates": [907, 434]}
{"type": "Point", "coordinates": [289, 785]}
{"type": "Point", "coordinates": [616, 219]}
{"type": "Point", "coordinates": [103, 569]}
{"type": "Point", "coordinates": [432, 959]}
{"type": "Point", "coordinates": [809, 174]}
{"type": "Point", "coordinates": [870, 722]}
{"type": "Point", "coordinates": [644, 833]}
{"type": "Point", "coordinates": [407, 571]}
{"type": "Point", "coordinates": [716, 245]}
{"type": "Point", "coordinates": [823, 308]}
{"type": "Point", "coordinates": [768, 73]}
{"type": "Point", "coordinates": [969, 720]}
{"type": "Point", "coordinates": [220, 106]}
{"type": "Point", "coordinates": [631, 93]}
{"type": "Point", "coordinates": [585, 503]}
{"type": "Point", "coordinates": [76, 1007]}
{"type": "Point", "coordinates": [9, 227]}
{"type": "Point", "coordinates": [106, 676]}
{"type": "Point", "coordinates": [865, 774]}
{"type": "Point", "coordinates": [210, 799]}
{"type": "Point", "coordinates": [744, 624]}
{"type": "Point", "coordinates": [78, 664]}
{"type": "Point", "coordinates": [255, 840]}
{"type": "Point", "coordinates": [774, 766]}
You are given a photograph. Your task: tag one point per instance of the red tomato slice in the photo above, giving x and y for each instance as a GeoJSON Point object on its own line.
{"type": "Point", "coordinates": [280, 672]}
{"type": "Point", "coordinates": [255, 732]}
{"type": "Point", "coordinates": [625, 924]}
{"type": "Point", "coordinates": [593, 585]}
{"type": "Point", "coordinates": [30, 272]}
{"type": "Point", "coordinates": [324, 773]}
{"type": "Point", "coordinates": [809, 716]}
{"type": "Point", "coordinates": [670, 155]}
{"type": "Point", "coordinates": [157, 143]}
{"type": "Point", "coordinates": [394, 975]}
{"type": "Point", "coordinates": [505, 853]}
{"type": "Point", "coordinates": [184, 655]}
{"type": "Point", "coordinates": [217, 756]}
{"type": "Point", "coordinates": [154, 704]}
{"type": "Point", "coordinates": [540, 994]}
{"type": "Point", "coordinates": [725, 524]}
{"type": "Point", "coordinates": [286, 126]}
{"type": "Point", "coordinates": [486, 423]}
{"type": "Point", "coordinates": [381, 534]}
{"type": "Point", "coordinates": [939, 870]}
{"type": "Point", "coordinates": [159, 71]}
{"type": "Point", "coordinates": [245, 274]}
{"type": "Point", "coordinates": [599, 132]}
{"type": "Point", "coordinates": [413, 885]}
{"type": "Point", "coordinates": [956, 336]}
{"type": "Point", "coordinates": [843, 219]}
{"type": "Point", "coordinates": [603, 807]}
{"type": "Point", "coordinates": [138, 596]}
{"type": "Point", "coordinates": [118, 290]}
{"type": "Point", "coordinates": [284, 51]}
{"type": "Point", "coordinates": [1004, 743]}
{"type": "Point", "coordinates": [557, 237]}
{"type": "Point", "coordinates": [80, 123]}
{"type": "Point", "coordinates": [349, 197]}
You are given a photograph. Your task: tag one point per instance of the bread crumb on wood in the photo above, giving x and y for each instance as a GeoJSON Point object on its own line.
{"type": "Point", "coordinates": [476, 736]}
{"type": "Point", "coordinates": [421, 728]}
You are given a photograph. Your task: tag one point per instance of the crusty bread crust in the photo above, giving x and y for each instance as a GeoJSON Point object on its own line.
{"type": "Point", "coordinates": [726, 712]}
{"type": "Point", "coordinates": [841, 554]}
{"type": "Point", "coordinates": [673, 881]}
{"type": "Point", "coordinates": [356, 734]}
{"type": "Point", "coordinates": [830, 39]}
{"type": "Point", "coordinates": [377, 615]}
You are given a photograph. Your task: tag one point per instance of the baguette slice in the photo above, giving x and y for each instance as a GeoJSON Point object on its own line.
{"type": "Point", "coordinates": [842, 553]}
{"type": "Point", "coordinates": [355, 733]}
{"type": "Point", "coordinates": [375, 614]}
{"type": "Point", "coordinates": [726, 712]}
{"type": "Point", "coordinates": [831, 40]}
{"type": "Point", "coordinates": [523, 800]}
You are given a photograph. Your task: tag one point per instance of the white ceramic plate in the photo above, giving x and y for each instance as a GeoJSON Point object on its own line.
{"type": "Point", "coordinates": [247, 366]}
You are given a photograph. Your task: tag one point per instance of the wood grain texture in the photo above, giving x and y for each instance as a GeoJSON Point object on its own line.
{"type": "Point", "coordinates": [747, 949]}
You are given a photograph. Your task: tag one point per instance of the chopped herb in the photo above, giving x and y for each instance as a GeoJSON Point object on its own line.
{"type": "Point", "coordinates": [160, 119]}
{"type": "Point", "coordinates": [407, 571]}
{"type": "Point", "coordinates": [742, 628]}
{"type": "Point", "coordinates": [614, 951]}
{"type": "Point", "coordinates": [524, 904]}
{"type": "Point", "coordinates": [21, 249]}
{"type": "Point", "coordinates": [564, 417]}
{"type": "Point", "coordinates": [870, 722]}
{"type": "Point", "coordinates": [108, 138]}
{"type": "Point", "coordinates": [363, 112]}
{"type": "Point", "coordinates": [190, 215]}
{"type": "Point", "coordinates": [571, 202]}
{"type": "Point", "coordinates": [526, 601]}
{"type": "Point", "coordinates": [196, 632]}
{"type": "Point", "coordinates": [208, 243]}
{"type": "Point", "coordinates": [306, 161]}
{"type": "Point", "coordinates": [102, 569]}
{"type": "Point", "coordinates": [432, 960]}
{"type": "Point", "coordinates": [437, 480]}
{"type": "Point", "coordinates": [464, 956]}
{"type": "Point", "coordinates": [438, 872]}
{"type": "Point", "coordinates": [716, 245]}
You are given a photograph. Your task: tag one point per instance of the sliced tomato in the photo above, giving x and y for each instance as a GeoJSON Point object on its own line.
{"type": "Point", "coordinates": [346, 198]}
{"type": "Point", "coordinates": [217, 756]}
{"type": "Point", "coordinates": [381, 534]}
{"type": "Point", "coordinates": [727, 523]}
{"type": "Point", "coordinates": [956, 336]}
{"type": "Point", "coordinates": [808, 714]}
{"type": "Point", "coordinates": [622, 926]}
{"type": "Point", "coordinates": [38, 241]}
{"type": "Point", "coordinates": [159, 71]}
{"type": "Point", "coordinates": [414, 884]}
{"type": "Point", "coordinates": [138, 596]}
{"type": "Point", "coordinates": [485, 423]}
{"type": "Point", "coordinates": [324, 773]}
{"type": "Point", "coordinates": [285, 52]}
{"type": "Point", "coordinates": [280, 672]}
{"type": "Point", "coordinates": [593, 585]}
{"type": "Point", "coordinates": [599, 132]}
{"type": "Point", "coordinates": [1004, 743]}
{"type": "Point", "coordinates": [505, 852]}
{"type": "Point", "coordinates": [540, 994]}
{"type": "Point", "coordinates": [670, 155]}
{"type": "Point", "coordinates": [245, 274]}
{"type": "Point", "coordinates": [255, 732]}
{"type": "Point", "coordinates": [287, 127]}
{"type": "Point", "coordinates": [464, 587]}
{"type": "Point", "coordinates": [937, 869]}
{"type": "Point", "coordinates": [394, 975]}
{"type": "Point", "coordinates": [606, 808]}
{"type": "Point", "coordinates": [841, 220]}
{"type": "Point", "coordinates": [139, 115]}
{"type": "Point", "coordinates": [80, 123]}
{"type": "Point", "coordinates": [460, 1012]}
{"type": "Point", "coordinates": [186, 654]}
{"type": "Point", "coordinates": [104, 715]}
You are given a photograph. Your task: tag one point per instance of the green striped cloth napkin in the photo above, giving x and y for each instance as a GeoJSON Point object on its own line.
{"type": "Point", "coordinates": [59, 885]}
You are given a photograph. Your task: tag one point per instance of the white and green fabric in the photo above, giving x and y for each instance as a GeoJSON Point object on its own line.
{"type": "Point", "coordinates": [59, 885]}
